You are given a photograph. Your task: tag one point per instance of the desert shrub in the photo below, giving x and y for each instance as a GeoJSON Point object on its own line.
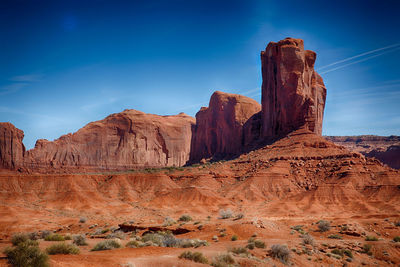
{"type": "Point", "coordinates": [367, 249]}
{"type": "Point", "coordinates": [19, 238]}
{"type": "Point", "coordinates": [308, 239]}
{"type": "Point", "coordinates": [62, 248]}
{"type": "Point", "coordinates": [67, 237]}
{"type": "Point", "coordinates": [348, 253]}
{"type": "Point", "coordinates": [234, 238]}
{"type": "Point", "coordinates": [26, 254]}
{"type": "Point", "coordinates": [80, 240]}
{"type": "Point", "coordinates": [223, 260]}
{"type": "Point", "coordinates": [82, 219]}
{"type": "Point", "coordinates": [239, 250]}
{"type": "Point", "coordinates": [193, 256]}
{"type": "Point", "coordinates": [324, 226]}
{"type": "Point", "coordinates": [280, 252]}
{"type": "Point", "coordinates": [396, 239]}
{"type": "Point", "coordinates": [197, 222]}
{"type": "Point", "coordinates": [134, 244]}
{"type": "Point", "coordinates": [168, 221]}
{"type": "Point", "coordinates": [46, 233]}
{"type": "Point", "coordinates": [335, 236]}
{"type": "Point", "coordinates": [250, 245]}
{"type": "Point", "coordinates": [116, 234]}
{"type": "Point", "coordinates": [33, 236]}
{"type": "Point", "coordinates": [163, 239]}
{"type": "Point", "coordinates": [54, 237]}
{"type": "Point", "coordinates": [223, 234]}
{"type": "Point", "coordinates": [103, 231]}
{"type": "Point", "coordinates": [225, 214]}
{"type": "Point", "coordinates": [185, 218]}
{"type": "Point", "coordinates": [259, 244]}
{"type": "Point", "coordinates": [337, 251]}
{"type": "Point", "coordinates": [106, 245]}
{"type": "Point", "coordinates": [371, 238]}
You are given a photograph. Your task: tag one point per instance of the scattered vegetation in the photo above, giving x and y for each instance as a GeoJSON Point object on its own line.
{"type": "Point", "coordinates": [396, 239]}
{"type": "Point", "coordinates": [79, 240]}
{"type": "Point", "coordinates": [343, 252]}
{"type": "Point", "coordinates": [280, 252]}
{"type": "Point", "coordinates": [367, 249]}
{"type": "Point", "coordinates": [26, 254]}
{"type": "Point", "coordinates": [234, 238]}
{"type": "Point", "coordinates": [54, 237]}
{"type": "Point", "coordinates": [166, 239]}
{"type": "Point", "coordinates": [335, 236]}
{"type": "Point", "coordinates": [298, 228]}
{"type": "Point", "coordinates": [185, 218]}
{"type": "Point", "coordinates": [324, 226]}
{"type": "Point", "coordinates": [106, 245]}
{"type": "Point", "coordinates": [168, 221]}
{"type": "Point", "coordinates": [62, 248]}
{"type": "Point", "coordinates": [223, 260]}
{"type": "Point", "coordinates": [259, 244]}
{"type": "Point", "coordinates": [397, 223]}
{"type": "Point", "coordinates": [308, 239]}
{"type": "Point", "coordinates": [371, 238]}
{"type": "Point", "coordinates": [239, 251]}
{"type": "Point", "coordinates": [225, 214]}
{"type": "Point", "coordinates": [19, 238]}
{"type": "Point", "coordinates": [46, 233]}
{"type": "Point", "coordinates": [135, 244]}
{"type": "Point", "coordinates": [193, 256]}
{"type": "Point", "coordinates": [116, 234]}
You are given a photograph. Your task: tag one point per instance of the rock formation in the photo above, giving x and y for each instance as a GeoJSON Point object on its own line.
{"type": "Point", "coordinates": [125, 140]}
{"type": "Point", "coordinates": [219, 130]}
{"type": "Point", "coordinates": [11, 147]}
{"type": "Point", "coordinates": [384, 148]}
{"type": "Point", "coordinates": [293, 94]}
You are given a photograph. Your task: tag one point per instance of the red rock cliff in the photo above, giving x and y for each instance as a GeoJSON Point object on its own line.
{"type": "Point", "coordinates": [11, 147]}
{"type": "Point", "coordinates": [121, 141]}
{"type": "Point", "coordinates": [293, 94]}
{"type": "Point", "coordinates": [219, 128]}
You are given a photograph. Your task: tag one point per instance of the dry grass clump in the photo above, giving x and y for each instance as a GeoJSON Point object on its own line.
{"type": "Point", "coordinates": [223, 260]}
{"type": "Point", "coordinates": [26, 254]}
{"type": "Point", "coordinates": [280, 252]}
{"type": "Point", "coordinates": [106, 245]}
{"type": "Point", "coordinates": [194, 256]}
{"type": "Point", "coordinates": [54, 237]}
{"type": "Point", "coordinates": [79, 240]}
{"type": "Point", "coordinates": [371, 238]}
{"type": "Point", "coordinates": [324, 226]}
{"type": "Point", "coordinates": [308, 239]}
{"type": "Point", "coordinates": [225, 214]}
{"type": "Point", "coordinates": [185, 218]}
{"type": "Point", "coordinates": [62, 248]}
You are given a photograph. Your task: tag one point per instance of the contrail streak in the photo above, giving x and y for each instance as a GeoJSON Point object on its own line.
{"type": "Point", "coordinates": [358, 61]}
{"type": "Point", "coordinates": [359, 55]}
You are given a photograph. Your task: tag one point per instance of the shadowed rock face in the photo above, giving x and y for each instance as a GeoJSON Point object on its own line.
{"type": "Point", "coordinates": [11, 147]}
{"type": "Point", "coordinates": [293, 94]}
{"type": "Point", "coordinates": [121, 141]}
{"type": "Point", "coordinates": [219, 128]}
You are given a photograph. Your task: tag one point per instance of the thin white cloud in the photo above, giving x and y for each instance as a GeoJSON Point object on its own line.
{"type": "Point", "coordinates": [27, 78]}
{"type": "Point", "coordinates": [359, 55]}
{"type": "Point", "coordinates": [11, 88]}
{"type": "Point", "coordinates": [361, 60]}
{"type": "Point", "coordinates": [19, 112]}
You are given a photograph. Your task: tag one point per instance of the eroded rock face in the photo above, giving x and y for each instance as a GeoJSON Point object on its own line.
{"type": "Point", "coordinates": [121, 141]}
{"type": "Point", "coordinates": [293, 94]}
{"type": "Point", "coordinates": [11, 147]}
{"type": "Point", "coordinates": [219, 128]}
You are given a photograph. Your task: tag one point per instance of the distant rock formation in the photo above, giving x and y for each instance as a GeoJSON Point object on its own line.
{"type": "Point", "coordinates": [293, 94]}
{"type": "Point", "coordinates": [384, 148]}
{"type": "Point", "coordinates": [219, 130]}
{"type": "Point", "coordinates": [11, 147]}
{"type": "Point", "coordinates": [127, 140]}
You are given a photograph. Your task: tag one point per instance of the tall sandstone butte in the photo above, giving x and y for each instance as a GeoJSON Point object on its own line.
{"type": "Point", "coordinates": [293, 94]}
{"type": "Point", "coordinates": [12, 149]}
{"type": "Point", "coordinates": [219, 130]}
{"type": "Point", "coordinates": [121, 141]}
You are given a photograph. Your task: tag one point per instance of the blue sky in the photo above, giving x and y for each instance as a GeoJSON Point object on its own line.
{"type": "Point", "coordinates": [66, 63]}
